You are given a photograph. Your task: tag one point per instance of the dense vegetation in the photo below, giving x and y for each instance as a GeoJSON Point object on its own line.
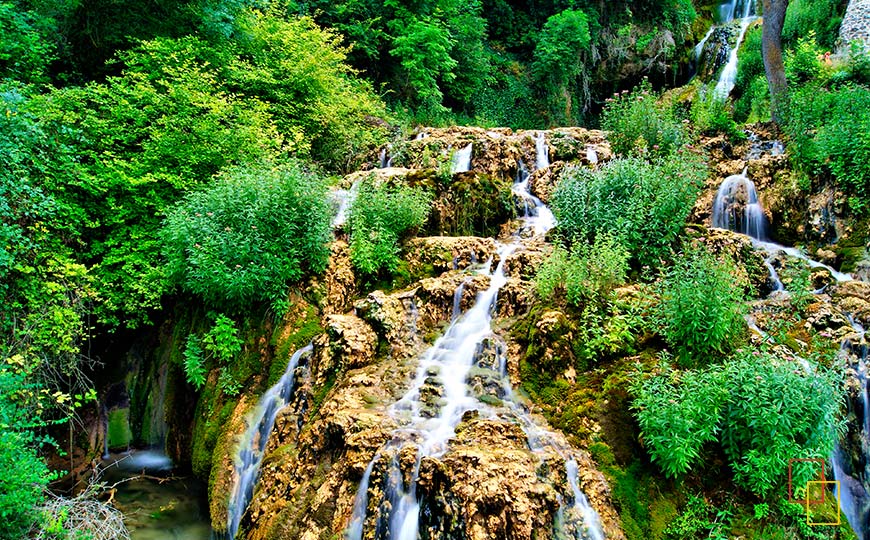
{"type": "Point", "coordinates": [154, 154]}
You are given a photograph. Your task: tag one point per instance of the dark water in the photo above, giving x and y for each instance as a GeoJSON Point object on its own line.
{"type": "Point", "coordinates": [159, 506]}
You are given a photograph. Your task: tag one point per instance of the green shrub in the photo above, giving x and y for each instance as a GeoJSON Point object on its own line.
{"type": "Point", "coordinates": [803, 63]}
{"type": "Point", "coordinates": [765, 410]}
{"type": "Point", "coordinates": [380, 216]}
{"type": "Point", "coordinates": [586, 273]}
{"type": "Point", "coordinates": [711, 115]}
{"type": "Point", "coordinates": [820, 16]}
{"type": "Point", "coordinates": [638, 124]}
{"type": "Point", "coordinates": [643, 205]}
{"type": "Point", "coordinates": [678, 413]}
{"type": "Point", "coordinates": [701, 310]}
{"type": "Point", "coordinates": [194, 362]}
{"type": "Point", "coordinates": [249, 234]}
{"type": "Point", "coordinates": [700, 520]}
{"type": "Point", "coordinates": [778, 410]}
{"type": "Point", "coordinates": [25, 474]}
{"type": "Point", "coordinates": [829, 132]}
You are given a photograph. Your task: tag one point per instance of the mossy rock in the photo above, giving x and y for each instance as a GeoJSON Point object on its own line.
{"type": "Point", "coordinates": [119, 434]}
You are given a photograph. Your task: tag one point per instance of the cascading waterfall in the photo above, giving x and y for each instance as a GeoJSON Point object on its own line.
{"type": "Point", "coordinates": [250, 452]}
{"type": "Point", "coordinates": [433, 407]}
{"type": "Point", "coordinates": [542, 153]}
{"type": "Point", "coordinates": [461, 161]}
{"type": "Point", "coordinates": [384, 158]}
{"type": "Point", "coordinates": [736, 207]}
{"type": "Point", "coordinates": [343, 199]}
{"type": "Point", "coordinates": [854, 499]}
{"type": "Point", "coordinates": [728, 77]}
{"type": "Point", "coordinates": [535, 213]}
{"type": "Point", "coordinates": [728, 12]}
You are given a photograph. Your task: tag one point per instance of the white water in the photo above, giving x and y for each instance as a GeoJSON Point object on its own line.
{"type": "Point", "coordinates": [699, 48]}
{"type": "Point", "coordinates": [536, 214]}
{"type": "Point", "coordinates": [427, 427]}
{"type": "Point", "coordinates": [384, 157]}
{"type": "Point", "coordinates": [771, 248]}
{"type": "Point", "coordinates": [736, 207]}
{"type": "Point", "coordinates": [461, 160]}
{"type": "Point", "coordinates": [591, 155]}
{"type": "Point", "coordinates": [252, 447]}
{"type": "Point", "coordinates": [729, 73]}
{"type": "Point", "coordinates": [542, 152]}
{"type": "Point", "coordinates": [343, 199]}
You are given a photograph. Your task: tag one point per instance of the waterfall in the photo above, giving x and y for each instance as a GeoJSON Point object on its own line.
{"type": "Point", "coordinates": [461, 161]}
{"type": "Point", "coordinates": [384, 158]}
{"type": "Point", "coordinates": [343, 199]}
{"type": "Point", "coordinates": [438, 398]}
{"type": "Point", "coordinates": [699, 48]}
{"type": "Point", "coordinates": [591, 155]}
{"type": "Point", "coordinates": [854, 499]}
{"type": "Point", "coordinates": [253, 444]}
{"type": "Point", "coordinates": [535, 213]}
{"type": "Point", "coordinates": [736, 207]}
{"type": "Point", "coordinates": [729, 73]}
{"type": "Point", "coordinates": [542, 153]}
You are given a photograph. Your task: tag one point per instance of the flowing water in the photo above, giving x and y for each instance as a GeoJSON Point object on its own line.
{"type": "Point", "coordinates": [342, 199]}
{"type": "Point", "coordinates": [542, 153]}
{"type": "Point", "coordinates": [461, 161]}
{"type": "Point", "coordinates": [433, 407]}
{"type": "Point", "coordinates": [250, 452]}
{"type": "Point", "coordinates": [742, 10]}
{"type": "Point", "coordinates": [736, 207]}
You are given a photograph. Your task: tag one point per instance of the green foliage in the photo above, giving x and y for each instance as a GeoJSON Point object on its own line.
{"type": "Point", "coordinates": [678, 413]}
{"type": "Point", "coordinates": [822, 17]}
{"type": "Point", "coordinates": [643, 205]}
{"type": "Point", "coordinates": [797, 280]}
{"type": "Point", "coordinates": [586, 273]}
{"type": "Point", "coordinates": [701, 310]}
{"type": "Point", "coordinates": [639, 124]}
{"type": "Point", "coordinates": [25, 474]}
{"type": "Point", "coordinates": [299, 71]}
{"type": "Point", "coordinates": [557, 61]}
{"type": "Point", "coordinates": [711, 115]}
{"type": "Point", "coordinates": [380, 216]}
{"type": "Point", "coordinates": [778, 410]}
{"type": "Point", "coordinates": [194, 362]}
{"type": "Point", "coordinates": [249, 234]}
{"type": "Point", "coordinates": [829, 131]}
{"type": "Point", "coordinates": [422, 47]}
{"type": "Point", "coordinates": [803, 63]}
{"type": "Point", "coordinates": [223, 341]}
{"type": "Point", "coordinates": [700, 520]}
{"type": "Point", "coordinates": [765, 410]}
{"type": "Point", "coordinates": [25, 51]}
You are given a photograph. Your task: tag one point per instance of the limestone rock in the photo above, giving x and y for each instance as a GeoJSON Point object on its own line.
{"type": "Point", "coordinates": [351, 339]}
{"type": "Point", "coordinates": [437, 254]}
{"type": "Point", "coordinates": [340, 280]}
{"type": "Point", "coordinates": [853, 298]}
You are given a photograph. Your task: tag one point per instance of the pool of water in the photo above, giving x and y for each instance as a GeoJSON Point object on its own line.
{"type": "Point", "coordinates": [158, 506]}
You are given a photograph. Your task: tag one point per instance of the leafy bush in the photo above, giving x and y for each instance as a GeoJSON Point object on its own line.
{"type": "Point", "coordinates": [586, 273]}
{"type": "Point", "coordinates": [194, 363]}
{"type": "Point", "coordinates": [25, 474]}
{"type": "Point", "coordinates": [711, 115]}
{"type": "Point", "coordinates": [638, 124]}
{"type": "Point", "coordinates": [765, 411]}
{"type": "Point", "coordinates": [820, 16]}
{"type": "Point", "coordinates": [803, 64]}
{"type": "Point", "coordinates": [244, 238]}
{"type": "Point", "coordinates": [643, 205]}
{"type": "Point", "coordinates": [380, 216]}
{"type": "Point", "coordinates": [678, 413]}
{"type": "Point", "coordinates": [829, 131]}
{"type": "Point", "coordinates": [778, 410]}
{"type": "Point", "coordinates": [701, 310]}
{"type": "Point", "coordinates": [557, 64]}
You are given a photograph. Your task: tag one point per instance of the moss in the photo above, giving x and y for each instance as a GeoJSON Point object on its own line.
{"type": "Point", "coordinates": [662, 512]}
{"type": "Point", "coordinates": [120, 435]}
{"type": "Point", "coordinates": [302, 331]}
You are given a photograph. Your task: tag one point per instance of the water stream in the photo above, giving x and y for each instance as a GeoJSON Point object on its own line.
{"type": "Point", "coordinates": [461, 161]}
{"type": "Point", "coordinates": [252, 447]}
{"type": "Point", "coordinates": [438, 398]}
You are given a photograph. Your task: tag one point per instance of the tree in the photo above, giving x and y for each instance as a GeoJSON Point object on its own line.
{"type": "Point", "coordinates": [771, 50]}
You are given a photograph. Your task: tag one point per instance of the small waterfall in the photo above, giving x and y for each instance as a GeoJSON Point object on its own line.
{"type": "Point", "coordinates": [384, 158]}
{"type": "Point", "coordinates": [729, 73]}
{"type": "Point", "coordinates": [461, 160]}
{"type": "Point", "coordinates": [854, 499]}
{"type": "Point", "coordinates": [542, 152]}
{"type": "Point", "coordinates": [736, 207]}
{"type": "Point", "coordinates": [343, 199]}
{"type": "Point", "coordinates": [535, 213]}
{"type": "Point", "coordinates": [699, 48]}
{"type": "Point", "coordinates": [253, 444]}
{"type": "Point", "coordinates": [591, 155]}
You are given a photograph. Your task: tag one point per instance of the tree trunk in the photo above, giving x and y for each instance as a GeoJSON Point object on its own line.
{"type": "Point", "coordinates": [771, 51]}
